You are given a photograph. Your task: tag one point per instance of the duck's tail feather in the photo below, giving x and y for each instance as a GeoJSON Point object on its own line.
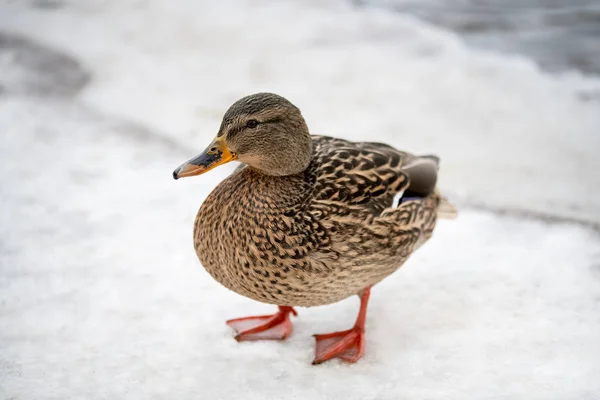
{"type": "Point", "coordinates": [423, 172]}
{"type": "Point", "coordinates": [446, 209]}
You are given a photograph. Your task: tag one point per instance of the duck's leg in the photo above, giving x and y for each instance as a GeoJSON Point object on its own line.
{"type": "Point", "coordinates": [265, 327]}
{"type": "Point", "coordinates": [347, 345]}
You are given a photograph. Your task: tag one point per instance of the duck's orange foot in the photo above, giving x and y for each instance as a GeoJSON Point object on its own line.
{"type": "Point", "coordinates": [266, 327]}
{"type": "Point", "coordinates": [347, 345]}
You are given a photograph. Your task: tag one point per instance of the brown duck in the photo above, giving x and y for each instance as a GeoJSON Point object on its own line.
{"type": "Point", "coordinates": [308, 220]}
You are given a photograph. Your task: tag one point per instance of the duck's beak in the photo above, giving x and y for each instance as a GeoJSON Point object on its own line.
{"type": "Point", "coordinates": [214, 155]}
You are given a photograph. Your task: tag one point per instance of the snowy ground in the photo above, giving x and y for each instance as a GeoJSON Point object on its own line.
{"type": "Point", "coordinates": [101, 295]}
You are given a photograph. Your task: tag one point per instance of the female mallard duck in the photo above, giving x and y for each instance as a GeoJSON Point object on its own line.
{"type": "Point", "coordinates": [308, 220]}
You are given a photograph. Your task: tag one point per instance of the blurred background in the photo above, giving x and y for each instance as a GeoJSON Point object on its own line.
{"type": "Point", "coordinates": [101, 294]}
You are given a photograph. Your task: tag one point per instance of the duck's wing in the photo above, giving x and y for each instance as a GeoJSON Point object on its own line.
{"type": "Point", "coordinates": [368, 174]}
{"type": "Point", "coordinates": [354, 221]}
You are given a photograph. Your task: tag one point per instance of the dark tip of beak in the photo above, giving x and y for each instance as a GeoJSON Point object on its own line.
{"type": "Point", "coordinates": [176, 174]}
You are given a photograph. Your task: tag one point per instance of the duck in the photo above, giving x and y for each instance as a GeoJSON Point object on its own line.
{"type": "Point", "coordinates": [308, 220]}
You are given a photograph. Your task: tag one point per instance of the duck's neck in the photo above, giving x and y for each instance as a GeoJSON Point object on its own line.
{"type": "Point", "coordinates": [295, 164]}
{"type": "Point", "coordinates": [272, 192]}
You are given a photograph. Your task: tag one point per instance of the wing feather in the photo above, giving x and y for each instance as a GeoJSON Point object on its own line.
{"type": "Point", "coordinates": [368, 174]}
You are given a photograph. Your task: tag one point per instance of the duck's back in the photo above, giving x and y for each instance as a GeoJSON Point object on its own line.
{"type": "Point", "coordinates": [323, 235]}
{"type": "Point", "coordinates": [369, 174]}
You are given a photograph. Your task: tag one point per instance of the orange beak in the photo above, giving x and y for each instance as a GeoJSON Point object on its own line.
{"type": "Point", "coordinates": [214, 155]}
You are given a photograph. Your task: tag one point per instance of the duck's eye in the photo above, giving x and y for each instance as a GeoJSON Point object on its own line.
{"type": "Point", "coordinates": [252, 123]}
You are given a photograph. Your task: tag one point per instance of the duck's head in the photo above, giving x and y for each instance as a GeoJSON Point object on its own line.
{"type": "Point", "coordinates": [263, 130]}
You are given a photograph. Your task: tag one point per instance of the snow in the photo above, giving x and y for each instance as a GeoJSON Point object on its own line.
{"type": "Point", "coordinates": [101, 294]}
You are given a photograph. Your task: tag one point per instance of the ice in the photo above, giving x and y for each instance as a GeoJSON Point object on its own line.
{"type": "Point", "coordinates": [101, 294]}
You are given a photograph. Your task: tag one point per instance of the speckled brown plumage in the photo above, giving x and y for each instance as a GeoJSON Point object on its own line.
{"type": "Point", "coordinates": [320, 235]}
{"type": "Point", "coordinates": [308, 220]}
